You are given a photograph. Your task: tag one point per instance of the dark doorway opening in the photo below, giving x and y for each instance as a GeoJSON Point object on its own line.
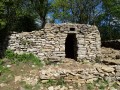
{"type": "Point", "coordinates": [71, 46]}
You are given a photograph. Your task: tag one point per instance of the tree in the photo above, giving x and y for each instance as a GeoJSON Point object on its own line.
{"type": "Point", "coordinates": [60, 9]}
{"type": "Point", "coordinates": [8, 12]}
{"type": "Point", "coordinates": [112, 7]}
{"type": "Point", "coordinates": [109, 21]}
{"type": "Point", "coordinates": [78, 11]}
{"type": "Point", "coordinates": [2, 15]}
{"type": "Point", "coordinates": [41, 7]}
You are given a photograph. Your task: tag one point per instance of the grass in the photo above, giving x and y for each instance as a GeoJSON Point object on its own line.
{"type": "Point", "coordinates": [6, 78]}
{"type": "Point", "coordinates": [101, 84]}
{"type": "Point", "coordinates": [56, 82]}
{"type": "Point", "coordinates": [13, 58]}
{"type": "Point", "coordinates": [25, 57]}
{"type": "Point", "coordinates": [28, 87]}
{"type": "Point", "coordinates": [90, 86]}
{"type": "Point", "coordinates": [3, 69]}
{"type": "Point", "coordinates": [25, 61]}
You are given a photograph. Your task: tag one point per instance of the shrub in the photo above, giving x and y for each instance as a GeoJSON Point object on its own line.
{"type": "Point", "coordinates": [10, 54]}
{"type": "Point", "coordinates": [25, 23]}
{"type": "Point", "coordinates": [29, 58]}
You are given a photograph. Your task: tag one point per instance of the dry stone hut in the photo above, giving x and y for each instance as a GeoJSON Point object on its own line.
{"type": "Point", "coordinates": [76, 41]}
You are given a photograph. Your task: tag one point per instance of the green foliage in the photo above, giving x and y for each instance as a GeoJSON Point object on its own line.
{"type": "Point", "coordinates": [61, 81]}
{"type": "Point", "coordinates": [109, 33]}
{"type": "Point", "coordinates": [25, 23]}
{"type": "Point", "coordinates": [19, 15]}
{"type": "Point", "coordinates": [26, 58]}
{"type": "Point", "coordinates": [10, 54]}
{"type": "Point", "coordinates": [28, 87]}
{"type": "Point", "coordinates": [108, 21]}
{"type": "Point", "coordinates": [41, 8]}
{"type": "Point", "coordinates": [61, 10]}
{"type": "Point", "coordinates": [115, 85]}
{"type": "Point", "coordinates": [2, 67]}
{"type": "Point", "coordinates": [112, 7]}
{"type": "Point", "coordinates": [90, 86]}
{"type": "Point", "coordinates": [52, 82]}
{"type": "Point", "coordinates": [2, 19]}
{"type": "Point", "coordinates": [76, 11]}
{"type": "Point", "coordinates": [101, 84]}
{"type": "Point", "coordinates": [98, 59]}
{"type": "Point", "coordinates": [104, 14]}
{"type": "Point", "coordinates": [1, 62]}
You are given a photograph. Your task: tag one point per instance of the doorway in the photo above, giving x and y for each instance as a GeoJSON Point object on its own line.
{"type": "Point", "coordinates": [71, 47]}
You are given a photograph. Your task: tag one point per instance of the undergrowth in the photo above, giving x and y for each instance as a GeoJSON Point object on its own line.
{"type": "Point", "coordinates": [25, 57]}
{"type": "Point", "coordinates": [100, 84]}
{"type": "Point", "coordinates": [52, 82]}
{"type": "Point", "coordinates": [2, 67]}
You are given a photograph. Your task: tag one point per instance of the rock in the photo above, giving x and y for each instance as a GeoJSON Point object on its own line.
{"type": "Point", "coordinates": [44, 81]}
{"type": "Point", "coordinates": [117, 68]}
{"type": "Point", "coordinates": [118, 78]}
{"type": "Point", "coordinates": [81, 81]}
{"type": "Point", "coordinates": [58, 87]}
{"type": "Point", "coordinates": [21, 88]}
{"type": "Point", "coordinates": [31, 80]}
{"type": "Point", "coordinates": [18, 78]}
{"type": "Point", "coordinates": [111, 62]}
{"type": "Point", "coordinates": [112, 88]}
{"type": "Point", "coordinates": [9, 66]}
{"type": "Point", "coordinates": [70, 87]}
{"type": "Point", "coordinates": [107, 69]}
{"type": "Point", "coordinates": [117, 74]}
{"type": "Point", "coordinates": [117, 56]}
{"type": "Point", "coordinates": [51, 88]}
{"type": "Point", "coordinates": [91, 80]}
{"type": "Point", "coordinates": [33, 66]}
{"type": "Point", "coordinates": [118, 83]}
{"type": "Point", "coordinates": [99, 70]}
{"type": "Point", "coordinates": [2, 84]}
{"type": "Point", "coordinates": [63, 88]}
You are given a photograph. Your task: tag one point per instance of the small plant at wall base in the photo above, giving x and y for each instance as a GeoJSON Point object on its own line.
{"type": "Point", "coordinates": [2, 67]}
{"type": "Point", "coordinates": [9, 54]}
{"type": "Point", "coordinates": [26, 58]}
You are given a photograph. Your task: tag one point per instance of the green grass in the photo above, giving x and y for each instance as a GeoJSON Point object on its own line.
{"type": "Point", "coordinates": [25, 57]}
{"type": "Point", "coordinates": [2, 67]}
{"type": "Point", "coordinates": [90, 86]}
{"type": "Point", "coordinates": [26, 86]}
{"type": "Point", "coordinates": [102, 84]}
{"type": "Point", "coordinates": [52, 82]}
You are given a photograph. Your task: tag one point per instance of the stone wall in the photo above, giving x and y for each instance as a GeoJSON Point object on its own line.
{"type": "Point", "coordinates": [50, 41]}
{"type": "Point", "coordinates": [81, 72]}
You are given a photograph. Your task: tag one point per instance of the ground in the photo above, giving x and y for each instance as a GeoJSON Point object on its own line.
{"type": "Point", "coordinates": [27, 76]}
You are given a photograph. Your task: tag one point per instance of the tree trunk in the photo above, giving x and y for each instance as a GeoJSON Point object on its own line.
{"type": "Point", "coordinates": [43, 22]}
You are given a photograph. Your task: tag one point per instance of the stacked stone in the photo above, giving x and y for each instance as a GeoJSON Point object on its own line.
{"type": "Point", "coordinates": [50, 41]}
{"type": "Point", "coordinates": [82, 74]}
{"type": "Point", "coordinates": [117, 70]}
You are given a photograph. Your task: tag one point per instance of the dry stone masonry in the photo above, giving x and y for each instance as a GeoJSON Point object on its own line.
{"type": "Point", "coordinates": [57, 41]}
